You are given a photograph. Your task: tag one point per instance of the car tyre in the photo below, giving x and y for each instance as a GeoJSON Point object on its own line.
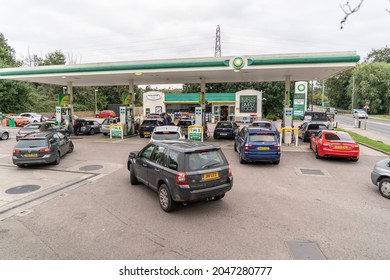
{"type": "Point", "coordinates": [58, 158]}
{"type": "Point", "coordinates": [92, 131]}
{"type": "Point", "coordinates": [317, 155]}
{"type": "Point", "coordinates": [384, 187]}
{"type": "Point", "coordinates": [276, 161]}
{"type": "Point", "coordinates": [141, 135]}
{"type": "Point", "coordinates": [354, 159]}
{"type": "Point", "coordinates": [166, 202]}
{"type": "Point", "coordinates": [218, 197]}
{"type": "Point", "coordinates": [71, 147]}
{"type": "Point", "coordinates": [133, 178]}
{"type": "Point", "coordinates": [242, 161]}
{"type": "Point", "coordinates": [20, 165]}
{"type": "Point", "coordinates": [5, 136]}
{"type": "Point", "coordinates": [104, 133]}
{"type": "Point", "coordinates": [235, 147]}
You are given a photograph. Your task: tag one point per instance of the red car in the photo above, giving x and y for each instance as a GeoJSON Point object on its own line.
{"type": "Point", "coordinates": [330, 143]}
{"type": "Point", "coordinates": [106, 114]}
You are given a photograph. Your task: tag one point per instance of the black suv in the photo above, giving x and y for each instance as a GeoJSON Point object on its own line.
{"type": "Point", "coordinates": [148, 126]}
{"type": "Point", "coordinates": [184, 124]}
{"type": "Point", "coordinates": [181, 171]}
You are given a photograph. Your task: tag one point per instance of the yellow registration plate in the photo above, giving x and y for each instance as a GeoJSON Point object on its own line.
{"type": "Point", "coordinates": [263, 148]}
{"type": "Point", "coordinates": [342, 147]}
{"type": "Point", "coordinates": [146, 133]}
{"type": "Point", "coordinates": [211, 175]}
{"type": "Point", "coordinates": [31, 155]}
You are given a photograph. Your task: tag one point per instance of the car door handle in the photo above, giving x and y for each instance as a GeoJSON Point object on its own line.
{"type": "Point", "coordinates": [144, 164]}
{"type": "Point", "coordinates": [157, 169]}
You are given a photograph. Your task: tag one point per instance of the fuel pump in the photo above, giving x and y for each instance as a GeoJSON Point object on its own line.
{"type": "Point", "coordinates": [64, 116]}
{"type": "Point", "coordinates": [126, 119]}
{"type": "Point", "coordinates": [287, 122]}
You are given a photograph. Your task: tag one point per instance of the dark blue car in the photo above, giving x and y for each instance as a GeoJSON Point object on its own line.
{"type": "Point", "coordinates": [257, 144]}
{"type": "Point", "coordinates": [225, 129]}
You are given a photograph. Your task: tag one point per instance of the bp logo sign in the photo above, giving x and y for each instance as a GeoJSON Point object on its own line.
{"type": "Point", "coordinates": [301, 87]}
{"type": "Point", "coordinates": [238, 63]}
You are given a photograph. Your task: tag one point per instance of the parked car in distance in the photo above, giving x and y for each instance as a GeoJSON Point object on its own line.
{"type": "Point", "coordinates": [184, 124]}
{"type": "Point", "coordinates": [148, 126]}
{"type": "Point", "coordinates": [106, 114]}
{"type": "Point", "coordinates": [90, 127]}
{"type": "Point", "coordinates": [307, 129]}
{"type": "Point", "coordinates": [167, 132]}
{"type": "Point", "coordinates": [4, 134]}
{"type": "Point", "coordinates": [41, 148]}
{"type": "Point", "coordinates": [315, 116]}
{"type": "Point", "coordinates": [257, 144]}
{"type": "Point", "coordinates": [380, 176]}
{"type": "Point", "coordinates": [331, 110]}
{"type": "Point", "coordinates": [106, 124]}
{"type": "Point", "coordinates": [19, 121]}
{"type": "Point", "coordinates": [34, 117]}
{"type": "Point", "coordinates": [154, 116]}
{"type": "Point", "coordinates": [39, 127]}
{"type": "Point", "coordinates": [225, 129]}
{"type": "Point", "coordinates": [330, 143]}
{"type": "Point", "coordinates": [360, 113]}
{"type": "Point", "coordinates": [181, 171]}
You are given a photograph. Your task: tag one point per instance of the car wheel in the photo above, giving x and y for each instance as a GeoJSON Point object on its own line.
{"type": "Point", "coordinates": [384, 187]}
{"type": "Point", "coordinates": [242, 161]}
{"type": "Point", "coordinates": [141, 135]}
{"type": "Point", "coordinates": [218, 197]}
{"type": "Point", "coordinates": [166, 202]}
{"type": "Point", "coordinates": [5, 136]}
{"type": "Point", "coordinates": [92, 131]}
{"type": "Point", "coordinates": [235, 147]}
{"type": "Point", "coordinates": [133, 178]}
{"type": "Point", "coordinates": [71, 147]}
{"type": "Point", "coordinates": [104, 133]}
{"type": "Point", "coordinates": [58, 158]}
{"type": "Point", "coordinates": [354, 159]}
{"type": "Point", "coordinates": [20, 165]}
{"type": "Point", "coordinates": [317, 155]}
{"type": "Point", "coordinates": [216, 136]}
{"type": "Point", "coordinates": [276, 161]}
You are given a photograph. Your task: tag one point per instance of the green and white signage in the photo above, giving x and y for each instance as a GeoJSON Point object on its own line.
{"type": "Point", "coordinates": [300, 98]}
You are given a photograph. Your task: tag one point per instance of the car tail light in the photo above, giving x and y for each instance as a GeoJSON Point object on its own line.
{"type": "Point", "coordinates": [356, 146]}
{"type": "Point", "coordinates": [16, 151]}
{"type": "Point", "coordinates": [325, 144]}
{"type": "Point", "coordinates": [230, 174]}
{"type": "Point", "coordinates": [247, 147]}
{"type": "Point", "coordinates": [276, 147]}
{"type": "Point", "coordinates": [181, 178]}
{"type": "Point", "coordinates": [44, 150]}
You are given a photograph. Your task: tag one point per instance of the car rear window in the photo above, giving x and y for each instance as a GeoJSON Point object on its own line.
{"type": "Point", "coordinates": [263, 138]}
{"type": "Point", "coordinates": [186, 123]}
{"type": "Point", "coordinates": [316, 127]}
{"type": "Point", "coordinates": [32, 127]}
{"type": "Point", "coordinates": [266, 125]}
{"type": "Point", "coordinates": [343, 137]}
{"type": "Point", "coordinates": [224, 125]}
{"type": "Point", "coordinates": [166, 135]}
{"type": "Point", "coordinates": [149, 122]}
{"type": "Point", "coordinates": [204, 160]}
{"type": "Point", "coordinates": [31, 143]}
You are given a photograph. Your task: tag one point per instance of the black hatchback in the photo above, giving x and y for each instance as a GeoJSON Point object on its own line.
{"type": "Point", "coordinates": [226, 129]}
{"type": "Point", "coordinates": [41, 148]}
{"type": "Point", "coordinates": [148, 126]}
{"type": "Point", "coordinates": [181, 171]}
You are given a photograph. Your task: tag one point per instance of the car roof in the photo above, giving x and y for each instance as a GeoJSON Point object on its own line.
{"type": "Point", "coordinates": [43, 134]}
{"type": "Point", "coordinates": [166, 128]}
{"type": "Point", "coordinates": [261, 122]}
{"type": "Point", "coordinates": [187, 145]}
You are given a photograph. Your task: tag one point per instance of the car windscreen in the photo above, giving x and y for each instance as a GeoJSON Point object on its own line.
{"type": "Point", "coordinates": [166, 135]}
{"type": "Point", "coordinates": [204, 160]}
{"type": "Point", "coordinates": [31, 143]}
{"type": "Point", "coordinates": [342, 137]}
{"type": "Point", "coordinates": [32, 127]}
{"type": "Point", "coordinates": [263, 138]}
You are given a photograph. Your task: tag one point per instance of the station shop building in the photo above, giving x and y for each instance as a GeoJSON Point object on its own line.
{"type": "Point", "coordinates": [233, 106]}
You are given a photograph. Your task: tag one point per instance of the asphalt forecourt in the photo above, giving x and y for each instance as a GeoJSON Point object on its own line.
{"type": "Point", "coordinates": [86, 208]}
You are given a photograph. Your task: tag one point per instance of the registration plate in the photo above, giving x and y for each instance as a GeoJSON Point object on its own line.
{"type": "Point", "coordinates": [146, 133]}
{"type": "Point", "coordinates": [263, 148]}
{"type": "Point", "coordinates": [342, 147]}
{"type": "Point", "coordinates": [31, 155]}
{"type": "Point", "coordinates": [211, 175]}
{"type": "Point", "coordinates": [224, 134]}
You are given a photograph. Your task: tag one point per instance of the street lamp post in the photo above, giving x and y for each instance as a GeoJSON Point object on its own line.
{"type": "Point", "coordinates": [96, 101]}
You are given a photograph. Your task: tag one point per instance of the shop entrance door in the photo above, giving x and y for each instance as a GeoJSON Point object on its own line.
{"type": "Point", "coordinates": [224, 113]}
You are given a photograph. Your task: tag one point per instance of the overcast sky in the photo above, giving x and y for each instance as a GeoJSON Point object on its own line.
{"type": "Point", "coordinates": [127, 30]}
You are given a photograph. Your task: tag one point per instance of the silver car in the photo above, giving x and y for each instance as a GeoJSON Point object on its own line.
{"type": "Point", "coordinates": [380, 176]}
{"type": "Point", "coordinates": [4, 134]}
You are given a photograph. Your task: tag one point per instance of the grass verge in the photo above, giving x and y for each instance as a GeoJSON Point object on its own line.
{"type": "Point", "coordinates": [377, 145]}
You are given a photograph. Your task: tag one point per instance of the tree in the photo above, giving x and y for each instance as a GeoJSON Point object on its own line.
{"type": "Point", "coordinates": [7, 54]}
{"type": "Point", "coordinates": [380, 55]}
{"type": "Point", "coordinates": [54, 58]}
{"type": "Point", "coordinates": [372, 86]}
{"type": "Point", "coordinates": [337, 89]}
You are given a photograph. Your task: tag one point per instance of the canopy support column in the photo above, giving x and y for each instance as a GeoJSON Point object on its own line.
{"type": "Point", "coordinates": [287, 86]}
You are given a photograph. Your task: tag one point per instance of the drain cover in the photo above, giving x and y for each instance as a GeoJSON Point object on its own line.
{"type": "Point", "coordinates": [91, 167]}
{"type": "Point", "coordinates": [23, 189]}
{"type": "Point", "coordinates": [306, 171]}
{"type": "Point", "coordinates": [305, 250]}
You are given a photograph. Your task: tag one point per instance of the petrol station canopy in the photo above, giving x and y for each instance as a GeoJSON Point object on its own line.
{"type": "Point", "coordinates": [246, 68]}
